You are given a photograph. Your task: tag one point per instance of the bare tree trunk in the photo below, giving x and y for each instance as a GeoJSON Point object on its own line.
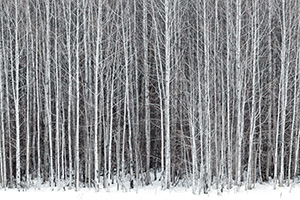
{"type": "Point", "coordinates": [70, 87]}
{"type": "Point", "coordinates": [2, 148]}
{"type": "Point", "coordinates": [228, 69]}
{"type": "Point", "coordinates": [284, 85]}
{"type": "Point", "coordinates": [38, 110]}
{"type": "Point", "coordinates": [96, 93]}
{"type": "Point", "coordinates": [48, 93]}
{"type": "Point", "coordinates": [2, 108]}
{"type": "Point", "coordinates": [137, 102]}
{"type": "Point", "coordinates": [16, 97]}
{"type": "Point", "coordinates": [28, 50]}
{"type": "Point", "coordinates": [297, 74]}
{"type": "Point", "coordinates": [248, 183]}
{"type": "Point", "coordinates": [110, 129]}
{"type": "Point", "coordinates": [193, 141]}
{"type": "Point", "coordinates": [77, 100]}
{"type": "Point", "coordinates": [167, 80]}
{"type": "Point", "coordinates": [147, 99]}
{"type": "Point", "coordinates": [57, 103]}
{"type": "Point", "coordinates": [87, 96]}
{"type": "Point", "coordinates": [216, 97]}
{"type": "Point", "coordinates": [207, 126]}
{"type": "Point", "coordinates": [239, 83]}
{"type": "Point", "coordinates": [270, 71]}
{"type": "Point", "coordinates": [276, 144]}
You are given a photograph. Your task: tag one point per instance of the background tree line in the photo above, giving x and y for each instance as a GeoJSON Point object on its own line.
{"type": "Point", "coordinates": [198, 93]}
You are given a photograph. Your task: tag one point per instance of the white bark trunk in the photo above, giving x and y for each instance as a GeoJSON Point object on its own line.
{"type": "Point", "coordinates": [284, 85]}
{"type": "Point", "coordinates": [48, 93]}
{"type": "Point", "coordinates": [77, 99]}
{"type": "Point", "coordinates": [248, 183]}
{"type": "Point", "coordinates": [228, 74]}
{"type": "Point", "coordinates": [28, 94]}
{"type": "Point", "coordinates": [3, 131]}
{"type": "Point", "coordinates": [2, 148]}
{"type": "Point", "coordinates": [207, 127]}
{"type": "Point", "coordinates": [167, 92]}
{"type": "Point", "coordinates": [38, 110]}
{"type": "Point", "coordinates": [16, 97]}
{"type": "Point", "coordinates": [239, 89]}
{"type": "Point", "coordinates": [96, 93]}
{"type": "Point", "coordinates": [70, 86]}
{"type": "Point", "coordinates": [147, 99]}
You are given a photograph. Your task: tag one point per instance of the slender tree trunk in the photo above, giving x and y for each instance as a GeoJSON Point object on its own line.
{"type": "Point", "coordinates": [167, 79]}
{"type": "Point", "coordinates": [57, 103]}
{"type": "Point", "coordinates": [239, 90]}
{"type": "Point", "coordinates": [207, 127]}
{"type": "Point", "coordinates": [63, 149]}
{"type": "Point", "coordinates": [147, 99]}
{"type": "Point", "coordinates": [249, 182]}
{"type": "Point", "coordinates": [297, 74]}
{"type": "Point", "coordinates": [70, 88]}
{"type": "Point", "coordinates": [97, 66]}
{"type": "Point", "coordinates": [87, 96]}
{"type": "Point", "coordinates": [77, 99]}
{"type": "Point", "coordinates": [2, 84]}
{"type": "Point", "coordinates": [228, 69]}
{"type": "Point", "coordinates": [16, 97]}
{"type": "Point", "coordinates": [110, 129]}
{"type": "Point", "coordinates": [137, 102]}
{"type": "Point", "coordinates": [48, 93]}
{"type": "Point", "coordinates": [284, 85]}
{"type": "Point", "coordinates": [276, 142]}
{"type": "Point", "coordinates": [270, 148]}
{"type": "Point", "coordinates": [38, 109]}
{"type": "Point", "coordinates": [28, 50]}
{"type": "Point", "coordinates": [194, 147]}
{"type": "Point", "coordinates": [216, 97]}
{"type": "Point", "coordinates": [2, 148]}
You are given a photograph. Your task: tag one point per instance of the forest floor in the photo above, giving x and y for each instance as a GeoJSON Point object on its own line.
{"type": "Point", "coordinates": [153, 192]}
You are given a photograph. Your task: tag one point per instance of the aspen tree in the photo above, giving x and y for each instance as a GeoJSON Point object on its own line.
{"type": "Point", "coordinates": [2, 141]}
{"type": "Point", "coordinates": [28, 71]}
{"type": "Point", "coordinates": [48, 92]}
{"type": "Point", "coordinates": [239, 85]}
{"type": "Point", "coordinates": [16, 96]}
{"type": "Point", "coordinates": [297, 74]}
{"type": "Point", "coordinates": [147, 99]}
{"type": "Point", "coordinates": [137, 102]}
{"type": "Point", "coordinates": [96, 92]}
{"type": "Point", "coordinates": [284, 84]}
{"type": "Point", "coordinates": [77, 98]}
{"type": "Point", "coordinates": [270, 99]}
{"type": "Point", "coordinates": [207, 126]}
{"type": "Point", "coordinates": [228, 70]}
{"type": "Point", "coordinates": [68, 15]}
{"type": "Point", "coordinates": [167, 79]}
{"type": "Point", "coordinates": [37, 105]}
{"type": "Point", "coordinates": [249, 181]}
{"type": "Point", "coordinates": [57, 101]}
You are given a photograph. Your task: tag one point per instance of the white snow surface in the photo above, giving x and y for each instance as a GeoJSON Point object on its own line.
{"type": "Point", "coordinates": [261, 191]}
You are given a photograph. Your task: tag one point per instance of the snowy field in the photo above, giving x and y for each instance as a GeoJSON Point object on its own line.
{"type": "Point", "coordinates": [264, 192]}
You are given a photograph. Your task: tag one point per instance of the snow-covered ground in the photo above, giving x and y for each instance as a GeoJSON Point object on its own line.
{"type": "Point", "coordinates": [264, 192]}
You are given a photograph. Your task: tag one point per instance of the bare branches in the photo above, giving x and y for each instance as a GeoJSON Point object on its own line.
{"type": "Point", "coordinates": [101, 92]}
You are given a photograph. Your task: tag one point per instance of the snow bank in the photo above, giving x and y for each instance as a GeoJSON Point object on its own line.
{"type": "Point", "coordinates": [264, 192]}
